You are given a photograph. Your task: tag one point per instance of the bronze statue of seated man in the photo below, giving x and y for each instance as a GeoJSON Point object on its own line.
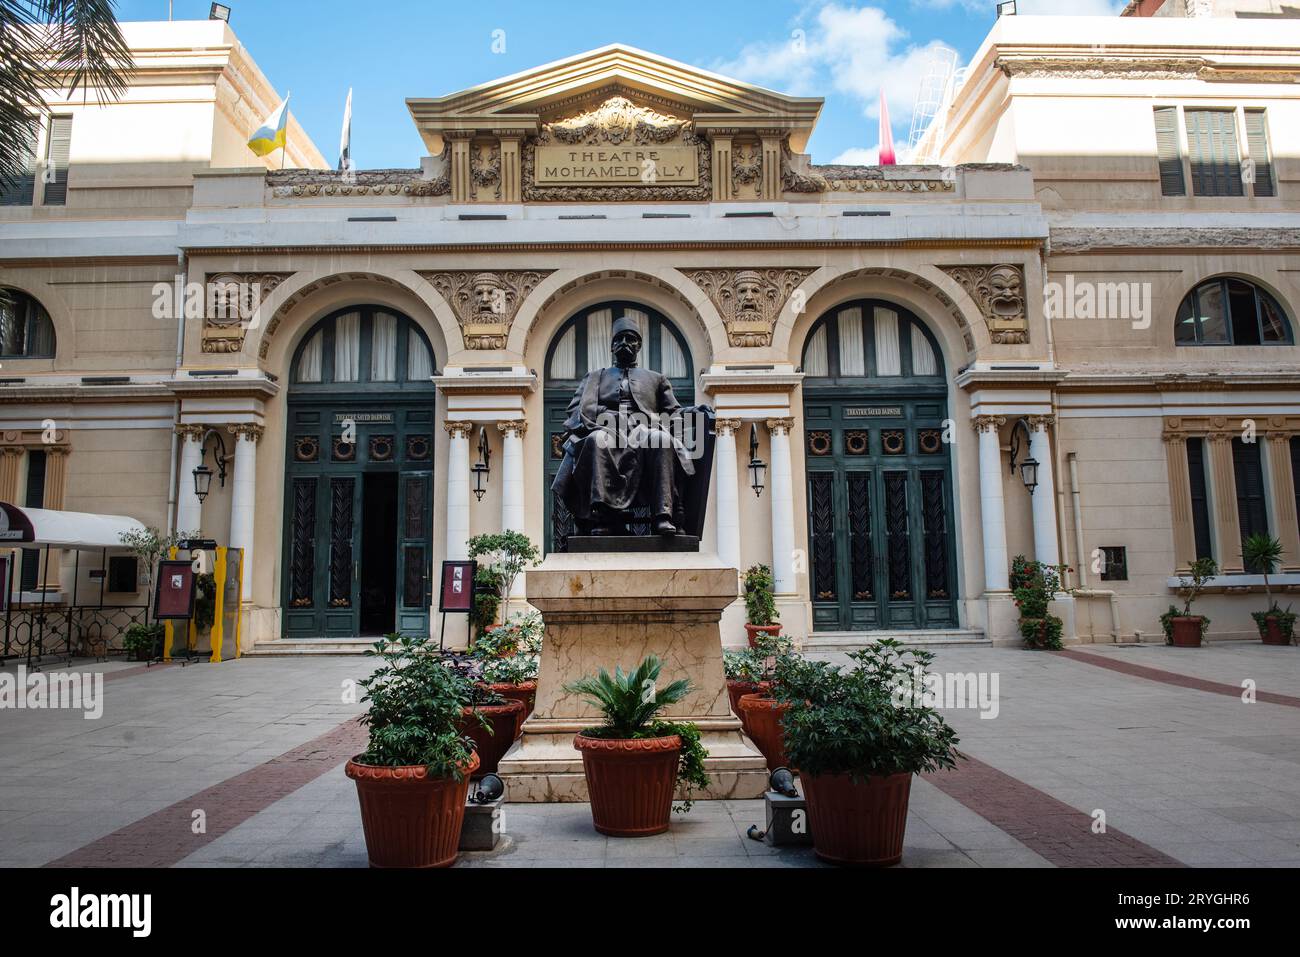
{"type": "Point", "coordinates": [622, 445]}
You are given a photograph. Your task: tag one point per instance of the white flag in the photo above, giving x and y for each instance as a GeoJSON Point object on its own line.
{"type": "Point", "coordinates": [345, 139]}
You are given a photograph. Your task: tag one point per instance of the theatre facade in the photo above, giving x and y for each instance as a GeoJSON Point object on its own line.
{"type": "Point", "coordinates": [387, 355]}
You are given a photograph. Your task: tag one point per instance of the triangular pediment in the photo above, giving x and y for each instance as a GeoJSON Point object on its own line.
{"type": "Point", "coordinates": [522, 103]}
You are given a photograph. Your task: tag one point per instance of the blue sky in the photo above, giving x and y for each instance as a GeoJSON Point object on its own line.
{"type": "Point", "coordinates": [391, 49]}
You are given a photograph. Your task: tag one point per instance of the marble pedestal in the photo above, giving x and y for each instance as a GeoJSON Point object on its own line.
{"type": "Point", "coordinates": [603, 610]}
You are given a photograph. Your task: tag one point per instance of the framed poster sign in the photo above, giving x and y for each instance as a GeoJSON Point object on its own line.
{"type": "Point", "coordinates": [174, 592]}
{"type": "Point", "coordinates": [457, 593]}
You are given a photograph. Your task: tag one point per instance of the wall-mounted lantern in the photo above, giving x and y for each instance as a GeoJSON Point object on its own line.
{"type": "Point", "coordinates": [756, 465]}
{"type": "Point", "coordinates": [481, 468]}
{"type": "Point", "coordinates": [1028, 465]}
{"type": "Point", "coordinates": [203, 474]}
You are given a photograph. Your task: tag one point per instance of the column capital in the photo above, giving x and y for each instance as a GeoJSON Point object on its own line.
{"type": "Point", "coordinates": [988, 423]}
{"type": "Point", "coordinates": [1220, 438]}
{"type": "Point", "coordinates": [56, 450]}
{"type": "Point", "coordinates": [246, 431]}
{"type": "Point", "coordinates": [506, 426]}
{"type": "Point", "coordinates": [458, 430]}
{"type": "Point", "coordinates": [1173, 438]}
{"type": "Point", "coordinates": [726, 426]}
{"type": "Point", "coordinates": [192, 433]}
{"type": "Point", "coordinates": [1040, 423]}
{"type": "Point", "coordinates": [780, 426]}
{"type": "Point", "coordinates": [12, 451]}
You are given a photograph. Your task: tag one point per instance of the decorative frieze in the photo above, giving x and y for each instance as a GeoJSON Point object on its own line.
{"type": "Point", "coordinates": [999, 292]}
{"type": "Point", "coordinates": [485, 303]}
{"type": "Point", "coordinates": [298, 183]}
{"type": "Point", "coordinates": [749, 300]}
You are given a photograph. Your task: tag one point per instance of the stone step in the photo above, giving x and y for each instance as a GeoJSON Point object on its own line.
{"type": "Point", "coordinates": [822, 642]}
{"type": "Point", "coordinates": [297, 647]}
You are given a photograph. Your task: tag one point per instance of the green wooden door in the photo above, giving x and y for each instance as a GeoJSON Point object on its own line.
{"type": "Point", "coordinates": [413, 553]}
{"type": "Point", "coordinates": [879, 514]}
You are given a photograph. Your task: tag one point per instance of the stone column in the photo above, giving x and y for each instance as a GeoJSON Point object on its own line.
{"type": "Point", "coordinates": [1281, 484]}
{"type": "Point", "coordinates": [782, 482]}
{"type": "Point", "coordinates": [1180, 501]}
{"type": "Point", "coordinates": [458, 490]}
{"type": "Point", "coordinates": [770, 187]}
{"type": "Point", "coordinates": [1227, 524]}
{"type": "Point", "coordinates": [512, 484]}
{"type": "Point", "coordinates": [724, 453]}
{"type": "Point", "coordinates": [11, 460]}
{"type": "Point", "coordinates": [462, 183]}
{"type": "Point", "coordinates": [997, 575]}
{"type": "Point", "coordinates": [721, 165]}
{"type": "Point", "coordinates": [189, 510]}
{"type": "Point", "coordinates": [56, 473]}
{"type": "Point", "coordinates": [243, 498]}
{"type": "Point", "coordinates": [1047, 549]}
{"type": "Point", "coordinates": [511, 184]}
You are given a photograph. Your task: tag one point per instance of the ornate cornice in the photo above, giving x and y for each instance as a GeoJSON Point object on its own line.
{"type": "Point", "coordinates": [1076, 240]}
{"type": "Point", "coordinates": [999, 291]}
{"type": "Point", "coordinates": [749, 300]}
{"type": "Point", "coordinates": [297, 183]}
{"type": "Point", "coordinates": [1097, 66]}
{"type": "Point", "coordinates": [485, 302]}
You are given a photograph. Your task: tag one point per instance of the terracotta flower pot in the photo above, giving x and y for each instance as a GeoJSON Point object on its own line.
{"type": "Point", "coordinates": [409, 818]}
{"type": "Point", "coordinates": [860, 823]}
{"type": "Point", "coordinates": [1186, 631]}
{"type": "Point", "coordinates": [525, 691]}
{"type": "Point", "coordinates": [738, 689]}
{"type": "Point", "coordinates": [753, 630]}
{"type": "Point", "coordinates": [762, 719]}
{"type": "Point", "coordinates": [1272, 633]}
{"type": "Point", "coordinates": [494, 741]}
{"type": "Point", "coordinates": [631, 782]}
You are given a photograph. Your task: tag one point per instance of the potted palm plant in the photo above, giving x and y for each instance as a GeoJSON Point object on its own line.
{"type": "Point", "coordinates": [1263, 554]}
{"type": "Point", "coordinates": [760, 603]}
{"type": "Point", "coordinates": [1184, 630]}
{"type": "Point", "coordinates": [633, 762]}
{"type": "Point", "coordinates": [413, 778]}
{"type": "Point", "coordinates": [857, 742]}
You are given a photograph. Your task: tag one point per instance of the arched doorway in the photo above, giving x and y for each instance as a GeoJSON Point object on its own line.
{"type": "Point", "coordinates": [358, 478]}
{"type": "Point", "coordinates": [879, 473]}
{"type": "Point", "coordinates": [583, 344]}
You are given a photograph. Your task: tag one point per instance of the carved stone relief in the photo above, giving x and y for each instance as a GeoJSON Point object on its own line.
{"type": "Point", "coordinates": [749, 300]}
{"type": "Point", "coordinates": [485, 303]}
{"type": "Point", "coordinates": [232, 301]}
{"type": "Point", "coordinates": [999, 291]}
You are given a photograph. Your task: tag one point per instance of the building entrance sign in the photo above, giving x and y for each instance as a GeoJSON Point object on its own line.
{"type": "Point", "coordinates": [566, 166]}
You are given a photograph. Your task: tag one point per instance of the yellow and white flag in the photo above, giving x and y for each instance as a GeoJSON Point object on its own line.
{"type": "Point", "coordinates": [270, 135]}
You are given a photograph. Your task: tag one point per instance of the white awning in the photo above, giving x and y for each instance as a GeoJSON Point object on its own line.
{"type": "Point", "coordinates": [59, 529]}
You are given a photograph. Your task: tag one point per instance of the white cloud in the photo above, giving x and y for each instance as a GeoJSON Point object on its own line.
{"type": "Point", "coordinates": [853, 50]}
{"type": "Point", "coordinates": [859, 156]}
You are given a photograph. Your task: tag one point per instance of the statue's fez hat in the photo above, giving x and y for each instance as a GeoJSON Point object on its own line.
{"type": "Point", "coordinates": [625, 324]}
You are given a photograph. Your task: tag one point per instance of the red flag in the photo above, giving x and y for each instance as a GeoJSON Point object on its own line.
{"type": "Point", "coordinates": [886, 134]}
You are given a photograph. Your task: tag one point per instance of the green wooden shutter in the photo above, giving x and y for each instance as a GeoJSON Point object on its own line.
{"type": "Point", "coordinates": [1257, 143]}
{"type": "Point", "coordinates": [57, 153]}
{"type": "Point", "coordinates": [1168, 153]}
{"type": "Point", "coordinates": [1252, 509]}
{"type": "Point", "coordinates": [20, 192]}
{"type": "Point", "coordinates": [1200, 497]}
{"type": "Point", "coordinates": [1212, 145]}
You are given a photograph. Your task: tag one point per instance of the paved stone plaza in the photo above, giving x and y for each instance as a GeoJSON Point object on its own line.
{"type": "Point", "coordinates": [1159, 739]}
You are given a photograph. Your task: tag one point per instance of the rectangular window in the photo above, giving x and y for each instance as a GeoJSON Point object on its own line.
{"type": "Point", "coordinates": [58, 150]}
{"type": "Point", "coordinates": [1257, 143]}
{"type": "Point", "coordinates": [122, 574]}
{"type": "Point", "coordinates": [19, 193]}
{"type": "Point", "coordinates": [1212, 146]}
{"type": "Point", "coordinates": [1114, 563]}
{"type": "Point", "coordinates": [34, 497]}
{"type": "Point", "coordinates": [1168, 153]}
{"type": "Point", "coordinates": [1200, 498]}
{"type": "Point", "coordinates": [1252, 507]}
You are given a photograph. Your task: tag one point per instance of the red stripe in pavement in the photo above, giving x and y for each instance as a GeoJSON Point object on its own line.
{"type": "Point", "coordinates": [164, 838]}
{"type": "Point", "coordinates": [1048, 827]}
{"type": "Point", "coordinates": [1173, 678]}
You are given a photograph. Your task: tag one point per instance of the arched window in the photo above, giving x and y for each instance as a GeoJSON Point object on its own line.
{"type": "Point", "coordinates": [583, 343]}
{"type": "Point", "coordinates": [364, 346]}
{"type": "Point", "coordinates": [869, 339]}
{"type": "Point", "coordinates": [26, 330]}
{"type": "Point", "coordinates": [1230, 312]}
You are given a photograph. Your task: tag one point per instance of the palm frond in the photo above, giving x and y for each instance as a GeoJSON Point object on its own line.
{"type": "Point", "coordinates": [87, 49]}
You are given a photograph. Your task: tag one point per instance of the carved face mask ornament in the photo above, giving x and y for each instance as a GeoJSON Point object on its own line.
{"type": "Point", "coordinates": [749, 296]}
{"type": "Point", "coordinates": [1004, 293]}
{"type": "Point", "coordinates": [489, 297]}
